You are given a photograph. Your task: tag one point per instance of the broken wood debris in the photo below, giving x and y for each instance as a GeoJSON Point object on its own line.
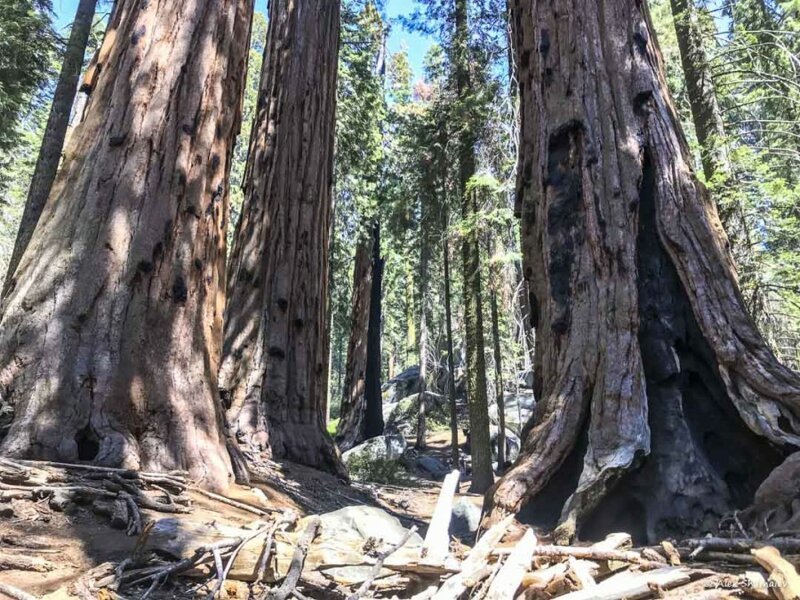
{"type": "Point", "coordinates": [281, 556]}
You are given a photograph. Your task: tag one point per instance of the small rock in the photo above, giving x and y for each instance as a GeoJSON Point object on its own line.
{"type": "Point", "coordinates": [432, 466]}
{"type": "Point", "coordinates": [465, 520]}
{"type": "Point", "coordinates": [119, 514]}
{"type": "Point", "coordinates": [61, 501]}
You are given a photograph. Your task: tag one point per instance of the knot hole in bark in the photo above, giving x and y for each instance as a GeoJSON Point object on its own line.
{"type": "Point", "coordinates": [88, 444]}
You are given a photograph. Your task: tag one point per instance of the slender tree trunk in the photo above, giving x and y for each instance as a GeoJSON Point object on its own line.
{"type": "Point", "coordinates": [422, 429]}
{"type": "Point", "coordinates": [498, 366]}
{"type": "Point", "coordinates": [275, 350]}
{"type": "Point", "coordinates": [700, 89]}
{"type": "Point", "coordinates": [480, 440]}
{"type": "Point", "coordinates": [53, 140]}
{"type": "Point", "coordinates": [350, 431]}
{"type": "Point", "coordinates": [451, 367]}
{"type": "Point", "coordinates": [110, 340]}
{"type": "Point", "coordinates": [650, 371]}
{"type": "Point", "coordinates": [372, 380]}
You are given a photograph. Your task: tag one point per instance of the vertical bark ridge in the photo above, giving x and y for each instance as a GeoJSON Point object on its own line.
{"type": "Point", "coordinates": [273, 372]}
{"type": "Point", "coordinates": [111, 338]}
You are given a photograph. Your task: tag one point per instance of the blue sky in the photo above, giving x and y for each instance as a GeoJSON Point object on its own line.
{"type": "Point", "coordinates": [415, 44]}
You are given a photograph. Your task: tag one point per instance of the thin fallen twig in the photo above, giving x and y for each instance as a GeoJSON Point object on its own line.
{"type": "Point", "coordinates": [376, 568]}
{"type": "Point", "coordinates": [264, 512]}
{"type": "Point", "coordinates": [288, 517]}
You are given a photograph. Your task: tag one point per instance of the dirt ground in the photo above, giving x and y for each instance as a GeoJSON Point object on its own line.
{"type": "Point", "coordinates": [72, 543]}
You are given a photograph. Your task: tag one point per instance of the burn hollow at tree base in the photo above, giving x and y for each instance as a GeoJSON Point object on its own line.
{"type": "Point", "coordinates": [704, 462]}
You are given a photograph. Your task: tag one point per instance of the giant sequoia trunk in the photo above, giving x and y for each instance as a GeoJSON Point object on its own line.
{"type": "Point", "coordinates": [658, 401]}
{"type": "Point", "coordinates": [56, 129]}
{"type": "Point", "coordinates": [275, 351]}
{"type": "Point", "coordinates": [111, 335]}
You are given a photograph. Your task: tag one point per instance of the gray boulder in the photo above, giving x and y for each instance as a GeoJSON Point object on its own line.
{"type": "Point", "coordinates": [403, 415]}
{"type": "Point", "coordinates": [345, 532]}
{"type": "Point", "coordinates": [464, 521]}
{"type": "Point", "coordinates": [518, 410]}
{"type": "Point", "coordinates": [382, 447]}
{"type": "Point", "coordinates": [401, 385]}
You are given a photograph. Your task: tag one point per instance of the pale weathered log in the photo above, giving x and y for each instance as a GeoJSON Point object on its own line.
{"type": "Point", "coordinates": [475, 561]}
{"type": "Point", "coordinates": [20, 562]}
{"type": "Point", "coordinates": [15, 593]}
{"type": "Point", "coordinates": [509, 577]}
{"type": "Point", "coordinates": [783, 576]}
{"type": "Point", "coordinates": [629, 584]}
{"type": "Point", "coordinates": [437, 541]}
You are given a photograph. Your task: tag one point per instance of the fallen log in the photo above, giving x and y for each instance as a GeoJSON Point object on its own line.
{"type": "Point", "coordinates": [629, 585]}
{"type": "Point", "coordinates": [509, 577]}
{"type": "Point", "coordinates": [436, 546]}
{"type": "Point", "coordinates": [784, 580]}
{"type": "Point", "coordinates": [743, 545]}
{"type": "Point", "coordinates": [475, 562]}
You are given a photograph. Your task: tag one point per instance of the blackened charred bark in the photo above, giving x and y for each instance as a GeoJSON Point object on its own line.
{"type": "Point", "coordinates": [372, 379]}
{"type": "Point", "coordinates": [110, 340]}
{"type": "Point", "coordinates": [643, 339]}
{"type": "Point", "coordinates": [361, 415]}
{"type": "Point", "coordinates": [54, 133]}
{"type": "Point", "coordinates": [275, 351]}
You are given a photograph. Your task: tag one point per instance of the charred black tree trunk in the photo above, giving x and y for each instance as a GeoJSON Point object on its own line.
{"type": "Point", "coordinates": [372, 381]}
{"type": "Point", "coordinates": [275, 357]}
{"type": "Point", "coordinates": [657, 398]}
{"type": "Point", "coordinates": [55, 131]}
{"type": "Point", "coordinates": [362, 415]}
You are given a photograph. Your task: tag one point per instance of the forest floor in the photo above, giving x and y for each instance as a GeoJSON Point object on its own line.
{"type": "Point", "coordinates": [71, 532]}
{"type": "Point", "coordinates": [65, 542]}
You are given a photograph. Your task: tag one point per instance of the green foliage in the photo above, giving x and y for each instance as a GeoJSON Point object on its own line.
{"type": "Point", "coordinates": [27, 44]}
{"type": "Point", "coordinates": [377, 470]}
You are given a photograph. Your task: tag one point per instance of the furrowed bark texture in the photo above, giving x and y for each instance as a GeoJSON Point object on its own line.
{"type": "Point", "coordinates": [110, 340]}
{"type": "Point", "coordinates": [648, 366]}
{"type": "Point", "coordinates": [56, 129]}
{"type": "Point", "coordinates": [351, 428]}
{"type": "Point", "coordinates": [275, 359]}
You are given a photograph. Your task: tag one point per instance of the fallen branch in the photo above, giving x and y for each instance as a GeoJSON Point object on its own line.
{"type": "Point", "coordinates": [298, 560]}
{"type": "Point", "coordinates": [15, 593]}
{"type": "Point", "coordinates": [376, 568]}
{"type": "Point", "coordinates": [743, 545]}
{"type": "Point", "coordinates": [20, 562]}
{"type": "Point", "coordinates": [592, 553]}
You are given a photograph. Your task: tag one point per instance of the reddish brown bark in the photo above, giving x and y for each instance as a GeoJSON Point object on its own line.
{"type": "Point", "coordinates": [657, 398]}
{"type": "Point", "coordinates": [110, 340]}
{"type": "Point", "coordinates": [274, 372]}
{"type": "Point", "coordinates": [351, 429]}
